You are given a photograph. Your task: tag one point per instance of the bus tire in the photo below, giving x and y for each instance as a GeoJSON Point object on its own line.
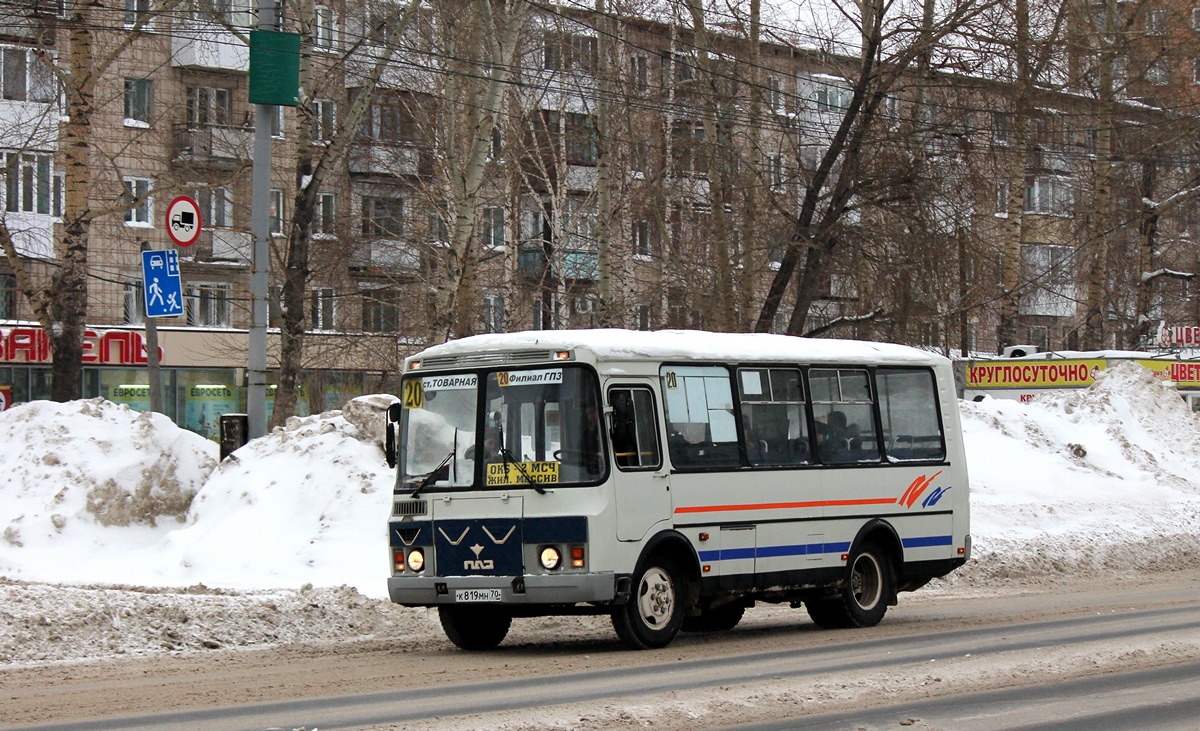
{"type": "Point", "coordinates": [863, 597]}
{"type": "Point", "coordinates": [654, 613]}
{"type": "Point", "coordinates": [720, 619]}
{"type": "Point", "coordinates": [474, 628]}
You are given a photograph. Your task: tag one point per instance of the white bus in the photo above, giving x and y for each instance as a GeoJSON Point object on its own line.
{"type": "Point", "coordinates": [671, 479]}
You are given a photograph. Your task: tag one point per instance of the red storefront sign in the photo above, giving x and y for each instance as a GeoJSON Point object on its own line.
{"type": "Point", "coordinates": [31, 345]}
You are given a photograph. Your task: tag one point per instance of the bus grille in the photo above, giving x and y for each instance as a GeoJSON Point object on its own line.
{"type": "Point", "coordinates": [483, 359]}
{"type": "Point", "coordinates": [410, 507]}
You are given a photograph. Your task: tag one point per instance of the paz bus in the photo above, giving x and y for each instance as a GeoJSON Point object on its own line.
{"type": "Point", "coordinates": [671, 480]}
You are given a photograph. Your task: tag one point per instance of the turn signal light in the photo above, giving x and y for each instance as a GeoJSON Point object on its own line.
{"type": "Point", "coordinates": [577, 557]}
{"type": "Point", "coordinates": [399, 558]}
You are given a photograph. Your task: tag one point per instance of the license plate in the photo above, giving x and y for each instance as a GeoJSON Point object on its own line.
{"type": "Point", "coordinates": [476, 595]}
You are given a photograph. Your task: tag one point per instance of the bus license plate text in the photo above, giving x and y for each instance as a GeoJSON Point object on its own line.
{"type": "Point", "coordinates": [477, 595]}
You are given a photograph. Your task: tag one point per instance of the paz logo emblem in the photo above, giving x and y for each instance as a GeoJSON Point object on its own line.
{"type": "Point", "coordinates": [477, 564]}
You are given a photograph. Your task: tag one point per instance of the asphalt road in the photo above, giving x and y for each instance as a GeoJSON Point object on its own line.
{"type": "Point", "coordinates": [1111, 655]}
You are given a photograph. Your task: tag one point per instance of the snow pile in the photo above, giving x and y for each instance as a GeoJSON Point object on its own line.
{"type": "Point", "coordinates": [307, 503]}
{"type": "Point", "coordinates": [91, 477]}
{"type": "Point", "coordinates": [1098, 479]}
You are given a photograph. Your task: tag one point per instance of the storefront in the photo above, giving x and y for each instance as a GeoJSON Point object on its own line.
{"type": "Point", "coordinates": [203, 372]}
{"type": "Point", "coordinates": [1023, 378]}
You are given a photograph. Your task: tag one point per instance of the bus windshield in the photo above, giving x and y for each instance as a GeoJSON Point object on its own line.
{"type": "Point", "coordinates": [535, 427]}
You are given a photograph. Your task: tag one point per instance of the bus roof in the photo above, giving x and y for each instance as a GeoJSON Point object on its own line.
{"type": "Point", "coordinates": [687, 345]}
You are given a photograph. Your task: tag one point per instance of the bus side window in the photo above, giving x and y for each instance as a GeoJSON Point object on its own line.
{"type": "Point", "coordinates": [634, 429]}
{"type": "Point", "coordinates": [909, 406]}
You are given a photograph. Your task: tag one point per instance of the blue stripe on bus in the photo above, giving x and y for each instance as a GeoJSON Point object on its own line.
{"type": "Point", "coordinates": [809, 549]}
{"type": "Point", "coordinates": [926, 541]}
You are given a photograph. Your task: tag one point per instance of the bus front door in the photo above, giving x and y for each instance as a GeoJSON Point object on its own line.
{"type": "Point", "coordinates": [641, 481]}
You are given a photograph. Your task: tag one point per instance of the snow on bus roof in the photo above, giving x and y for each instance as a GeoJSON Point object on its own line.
{"type": "Point", "coordinates": [689, 344]}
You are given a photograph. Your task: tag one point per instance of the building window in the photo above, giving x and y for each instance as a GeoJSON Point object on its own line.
{"type": "Point", "coordinates": [138, 97]}
{"type": "Point", "coordinates": [637, 156]}
{"type": "Point", "coordinates": [643, 317]}
{"type": "Point", "coordinates": [135, 303]}
{"type": "Point", "coordinates": [641, 239]}
{"type": "Point", "coordinates": [1157, 72]}
{"type": "Point", "coordinates": [567, 52]}
{"type": "Point", "coordinates": [833, 98]}
{"type": "Point", "coordinates": [1156, 22]}
{"type": "Point", "coordinates": [209, 106]}
{"type": "Point", "coordinates": [1001, 128]}
{"type": "Point", "coordinates": [136, 11]}
{"type": "Point", "coordinates": [324, 120]}
{"type": "Point", "coordinates": [140, 202]}
{"type": "Point", "coordinates": [1196, 71]}
{"type": "Point", "coordinates": [438, 231]}
{"type": "Point", "coordinates": [493, 227]}
{"type": "Point", "coordinates": [639, 73]}
{"type": "Point", "coordinates": [1049, 194]}
{"type": "Point", "coordinates": [322, 309]}
{"type": "Point", "coordinates": [382, 218]}
{"type": "Point", "coordinates": [25, 76]}
{"type": "Point", "coordinates": [1196, 19]}
{"type": "Point", "coordinates": [216, 206]}
{"type": "Point", "coordinates": [1002, 191]}
{"type": "Point", "coordinates": [380, 310]}
{"type": "Point", "coordinates": [775, 171]}
{"type": "Point", "coordinates": [323, 27]}
{"type": "Point", "coordinates": [8, 297]}
{"type": "Point", "coordinates": [774, 95]}
{"type": "Point", "coordinates": [687, 140]}
{"type": "Point", "coordinates": [493, 312]}
{"type": "Point", "coordinates": [275, 214]}
{"type": "Point", "coordinates": [277, 123]}
{"type": "Point", "coordinates": [581, 139]}
{"type": "Point", "coordinates": [208, 304]}
{"type": "Point", "coordinates": [323, 220]}
{"type": "Point", "coordinates": [27, 182]}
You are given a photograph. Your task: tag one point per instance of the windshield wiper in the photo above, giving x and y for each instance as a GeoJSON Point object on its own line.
{"type": "Point", "coordinates": [428, 479]}
{"type": "Point", "coordinates": [507, 456]}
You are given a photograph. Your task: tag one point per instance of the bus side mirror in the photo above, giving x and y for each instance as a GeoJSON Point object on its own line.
{"type": "Point", "coordinates": [389, 434]}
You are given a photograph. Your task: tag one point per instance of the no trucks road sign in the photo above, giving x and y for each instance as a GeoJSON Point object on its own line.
{"type": "Point", "coordinates": [183, 221]}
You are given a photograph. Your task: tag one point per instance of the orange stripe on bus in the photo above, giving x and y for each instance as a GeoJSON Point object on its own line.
{"type": "Point", "coordinates": [786, 506]}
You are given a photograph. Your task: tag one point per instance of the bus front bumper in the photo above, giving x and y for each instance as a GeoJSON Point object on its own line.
{"type": "Point", "coordinates": [564, 588]}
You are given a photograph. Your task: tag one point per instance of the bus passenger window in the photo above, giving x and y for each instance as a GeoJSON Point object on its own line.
{"type": "Point", "coordinates": [909, 407]}
{"type": "Point", "coordinates": [634, 429]}
{"type": "Point", "coordinates": [845, 421]}
{"type": "Point", "coordinates": [702, 432]}
{"type": "Point", "coordinates": [774, 430]}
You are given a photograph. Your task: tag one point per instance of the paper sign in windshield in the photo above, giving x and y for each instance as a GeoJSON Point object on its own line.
{"type": "Point", "coordinates": [528, 378]}
{"type": "Point", "coordinates": [504, 474]}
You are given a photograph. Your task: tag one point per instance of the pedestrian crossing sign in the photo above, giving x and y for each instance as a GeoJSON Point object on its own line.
{"type": "Point", "coordinates": [162, 284]}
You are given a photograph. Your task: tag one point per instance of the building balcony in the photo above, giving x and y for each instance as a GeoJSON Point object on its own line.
{"type": "Point", "coordinates": [218, 146]}
{"type": "Point", "coordinates": [391, 159]}
{"type": "Point", "coordinates": [220, 246]}
{"type": "Point", "coordinates": [204, 45]}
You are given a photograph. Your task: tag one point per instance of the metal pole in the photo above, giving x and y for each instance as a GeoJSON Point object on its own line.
{"type": "Point", "coordinates": [152, 365]}
{"type": "Point", "coordinates": [260, 226]}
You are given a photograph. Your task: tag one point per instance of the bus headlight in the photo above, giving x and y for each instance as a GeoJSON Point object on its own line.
{"type": "Point", "coordinates": [416, 559]}
{"type": "Point", "coordinates": [550, 558]}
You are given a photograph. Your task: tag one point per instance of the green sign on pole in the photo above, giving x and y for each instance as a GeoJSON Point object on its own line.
{"type": "Point", "coordinates": [274, 68]}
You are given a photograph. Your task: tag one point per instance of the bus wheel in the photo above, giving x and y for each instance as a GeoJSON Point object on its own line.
{"type": "Point", "coordinates": [653, 615]}
{"type": "Point", "coordinates": [862, 600]}
{"type": "Point", "coordinates": [721, 619]}
{"type": "Point", "coordinates": [474, 628]}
